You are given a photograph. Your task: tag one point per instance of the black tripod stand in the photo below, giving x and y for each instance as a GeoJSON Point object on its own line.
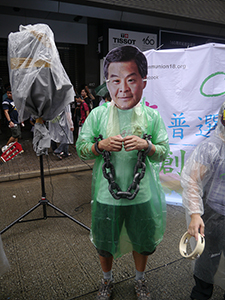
{"type": "Point", "coordinates": [44, 202]}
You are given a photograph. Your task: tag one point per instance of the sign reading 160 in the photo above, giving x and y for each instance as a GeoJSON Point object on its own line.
{"type": "Point", "coordinates": [148, 41]}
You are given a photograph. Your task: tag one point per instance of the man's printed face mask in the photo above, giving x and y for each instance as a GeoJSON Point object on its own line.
{"type": "Point", "coordinates": [125, 84]}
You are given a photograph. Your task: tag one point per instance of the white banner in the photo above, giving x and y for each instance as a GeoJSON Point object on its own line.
{"type": "Point", "coordinates": [144, 41]}
{"type": "Point", "coordinates": [187, 87]}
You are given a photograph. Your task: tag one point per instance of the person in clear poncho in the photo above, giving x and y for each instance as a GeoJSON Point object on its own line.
{"type": "Point", "coordinates": [4, 263]}
{"type": "Point", "coordinates": [61, 131]}
{"type": "Point", "coordinates": [120, 226]}
{"type": "Point", "coordinates": [203, 182]}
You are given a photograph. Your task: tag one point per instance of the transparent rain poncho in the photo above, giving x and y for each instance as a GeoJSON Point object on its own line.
{"type": "Point", "coordinates": [59, 127]}
{"type": "Point", "coordinates": [4, 263]}
{"type": "Point", "coordinates": [203, 182]}
{"type": "Point", "coordinates": [40, 85]}
{"type": "Point", "coordinates": [108, 231]}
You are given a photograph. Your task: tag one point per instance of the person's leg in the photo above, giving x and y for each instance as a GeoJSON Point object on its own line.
{"type": "Point", "coordinates": [106, 286]}
{"type": "Point", "coordinates": [59, 149]}
{"type": "Point", "coordinates": [105, 234]}
{"type": "Point", "coordinates": [12, 140]}
{"type": "Point", "coordinates": [141, 289]}
{"type": "Point", "coordinates": [137, 218]}
{"type": "Point", "coordinates": [202, 290]}
{"type": "Point", "coordinates": [16, 134]}
{"type": "Point", "coordinates": [76, 134]}
{"type": "Point", "coordinates": [143, 241]}
{"type": "Point", "coordinates": [53, 145]}
{"type": "Point", "coordinates": [207, 264]}
{"type": "Point", "coordinates": [65, 150]}
{"type": "Point", "coordinates": [140, 261]}
{"type": "Point", "coordinates": [56, 150]}
{"type": "Point", "coordinates": [106, 263]}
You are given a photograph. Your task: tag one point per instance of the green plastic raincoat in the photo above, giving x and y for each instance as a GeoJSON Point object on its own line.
{"type": "Point", "coordinates": [115, 223]}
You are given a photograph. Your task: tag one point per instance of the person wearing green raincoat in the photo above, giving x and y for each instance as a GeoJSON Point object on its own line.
{"type": "Point", "coordinates": [121, 225]}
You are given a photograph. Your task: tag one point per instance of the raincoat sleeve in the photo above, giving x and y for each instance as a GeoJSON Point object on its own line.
{"type": "Point", "coordinates": [90, 129]}
{"type": "Point", "coordinates": [159, 139]}
{"type": "Point", "coordinates": [195, 175]}
{"type": "Point", "coordinates": [202, 176]}
{"type": "Point", "coordinates": [68, 116]}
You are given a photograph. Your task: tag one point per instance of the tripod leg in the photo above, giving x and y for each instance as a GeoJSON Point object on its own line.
{"type": "Point", "coordinates": [43, 198]}
{"type": "Point", "coordinates": [43, 202]}
{"type": "Point", "coordinates": [48, 203]}
{"type": "Point", "coordinates": [68, 216]}
{"type": "Point", "coordinates": [21, 217]}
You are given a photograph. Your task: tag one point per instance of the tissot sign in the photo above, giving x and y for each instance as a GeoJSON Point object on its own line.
{"type": "Point", "coordinates": [144, 41]}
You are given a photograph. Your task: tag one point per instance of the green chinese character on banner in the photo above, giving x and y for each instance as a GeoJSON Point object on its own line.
{"type": "Point", "coordinates": [167, 162]}
{"type": "Point", "coordinates": [166, 166]}
{"type": "Point", "coordinates": [182, 152]}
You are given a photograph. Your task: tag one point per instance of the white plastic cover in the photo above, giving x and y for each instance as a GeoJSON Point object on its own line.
{"type": "Point", "coordinates": [40, 85]}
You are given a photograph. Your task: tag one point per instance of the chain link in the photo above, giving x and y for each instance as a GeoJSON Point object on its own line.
{"type": "Point", "coordinates": [114, 188]}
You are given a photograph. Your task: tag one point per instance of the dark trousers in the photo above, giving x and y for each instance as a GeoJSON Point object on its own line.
{"type": "Point", "coordinates": [207, 264]}
{"type": "Point", "coordinates": [61, 148]}
{"type": "Point", "coordinates": [202, 290]}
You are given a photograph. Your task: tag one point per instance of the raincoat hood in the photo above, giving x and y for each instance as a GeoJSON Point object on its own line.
{"type": "Point", "coordinates": [220, 130]}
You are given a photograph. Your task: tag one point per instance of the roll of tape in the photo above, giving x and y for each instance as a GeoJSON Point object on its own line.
{"type": "Point", "coordinates": [200, 245]}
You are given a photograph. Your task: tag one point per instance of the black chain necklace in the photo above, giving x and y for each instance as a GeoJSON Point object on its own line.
{"type": "Point", "coordinates": [114, 188]}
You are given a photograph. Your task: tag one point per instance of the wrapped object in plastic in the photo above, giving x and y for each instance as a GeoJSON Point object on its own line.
{"type": "Point", "coordinates": [203, 182]}
{"type": "Point", "coordinates": [40, 85]}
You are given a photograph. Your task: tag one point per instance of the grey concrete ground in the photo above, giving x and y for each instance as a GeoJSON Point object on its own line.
{"type": "Point", "coordinates": [53, 258]}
